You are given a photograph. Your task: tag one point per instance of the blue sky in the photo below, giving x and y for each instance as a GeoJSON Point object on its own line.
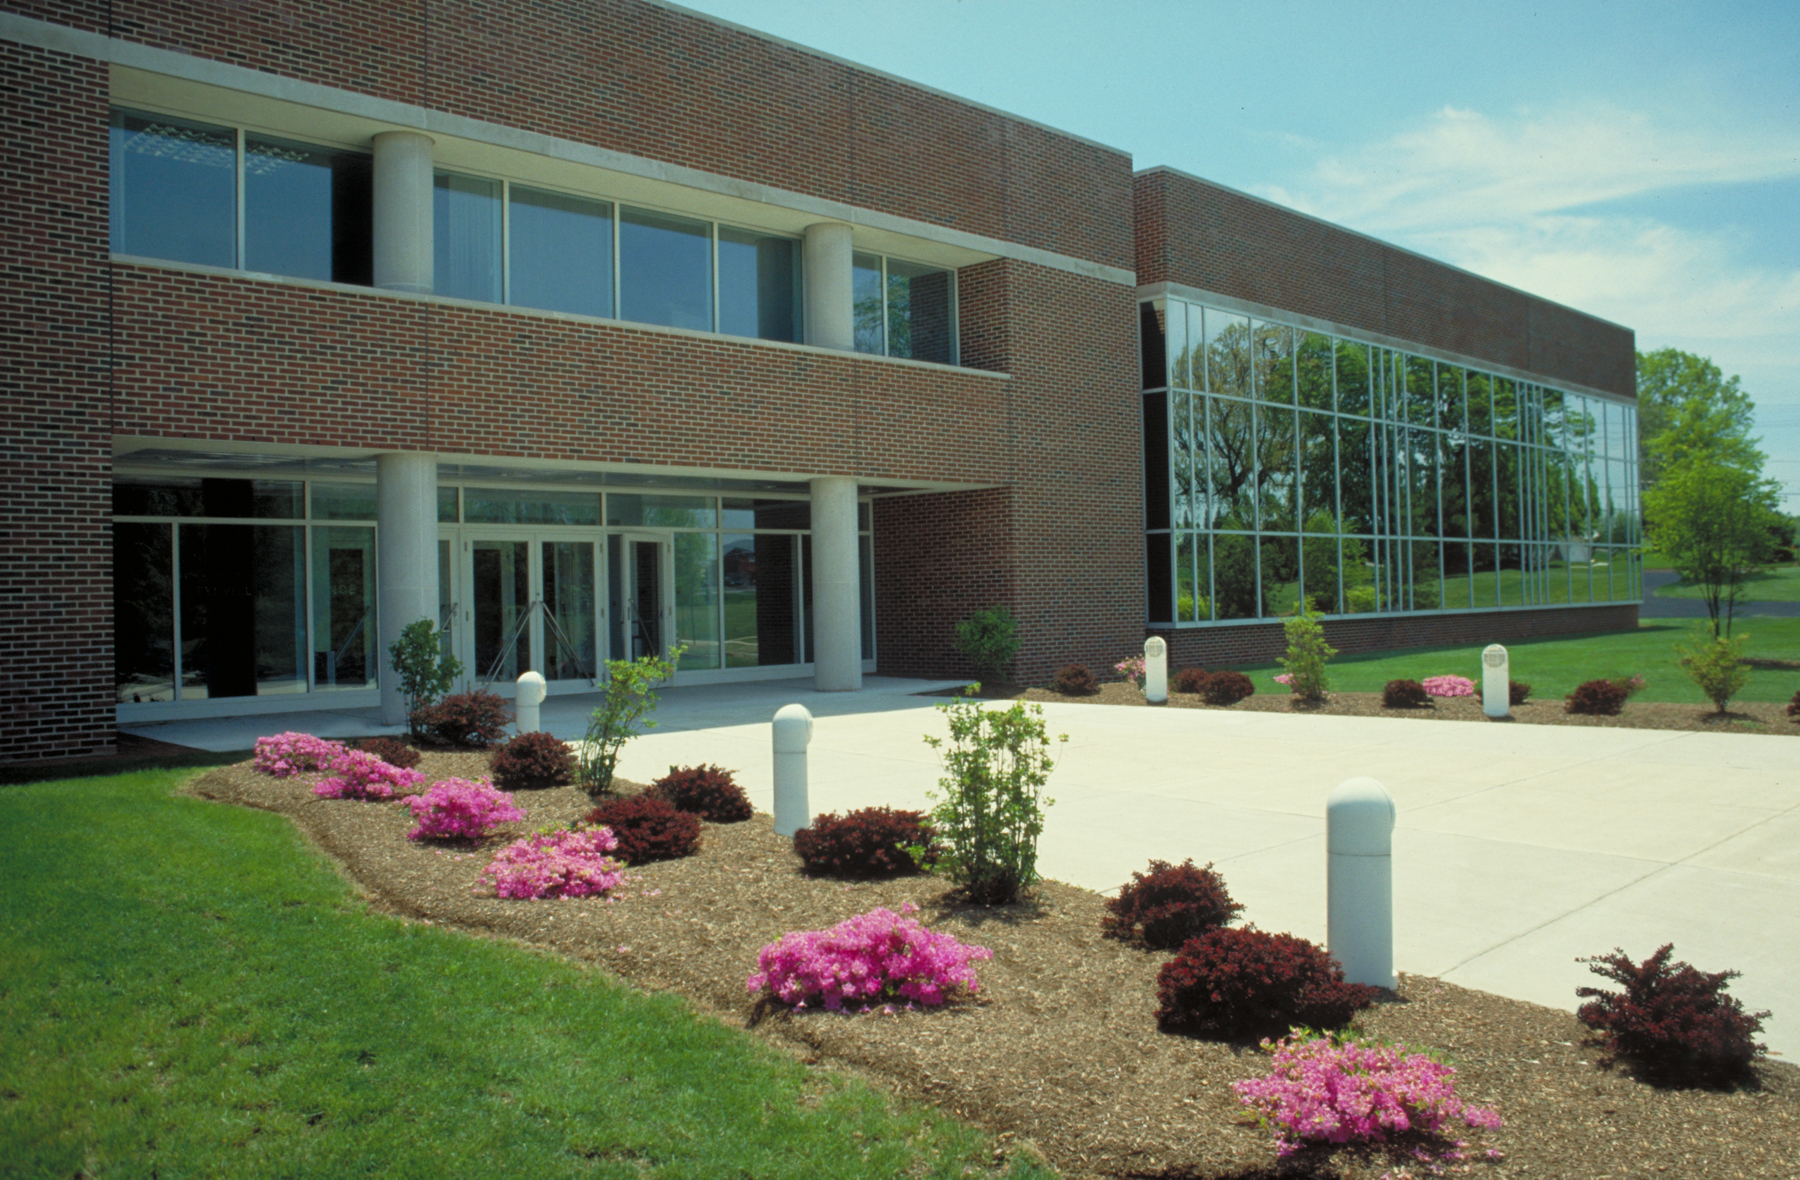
{"type": "Point", "coordinates": [1638, 161]}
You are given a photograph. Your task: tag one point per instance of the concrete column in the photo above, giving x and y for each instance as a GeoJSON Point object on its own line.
{"type": "Point", "coordinates": [402, 214]}
{"type": "Point", "coordinates": [825, 258]}
{"type": "Point", "coordinates": [837, 586]}
{"type": "Point", "coordinates": [406, 559]}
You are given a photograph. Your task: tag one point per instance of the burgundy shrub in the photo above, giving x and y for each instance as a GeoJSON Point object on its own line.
{"type": "Point", "coordinates": [1169, 905]}
{"type": "Point", "coordinates": [1597, 698]}
{"type": "Point", "coordinates": [705, 791]}
{"type": "Point", "coordinates": [533, 761]}
{"type": "Point", "coordinates": [866, 843]}
{"type": "Point", "coordinates": [1517, 692]}
{"type": "Point", "coordinates": [1673, 1020]}
{"type": "Point", "coordinates": [1404, 694]}
{"type": "Point", "coordinates": [1226, 688]}
{"type": "Point", "coordinates": [1247, 983]}
{"type": "Point", "coordinates": [1075, 681]}
{"type": "Point", "coordinates": [1189, 680]}
{"type": "Point", "coordinates": [647, 828]}
{"type": "Point", "coordinates": [472, 719]}
{"type": "Point", "coordinates": [1793, 709]}
{"type": "Point", "coordinates": [390, 750]}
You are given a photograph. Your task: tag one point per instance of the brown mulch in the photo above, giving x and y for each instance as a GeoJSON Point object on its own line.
{"type": "Point", "coordinates": [1753, 717]}
{"type": "Point", "coordinates": [1059, 1054]}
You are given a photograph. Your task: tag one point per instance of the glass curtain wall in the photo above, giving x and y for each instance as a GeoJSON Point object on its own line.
{"type": "Point", "coordinates": [1283, 465]}
{"type": "Point", "coordinates": [904, 309]}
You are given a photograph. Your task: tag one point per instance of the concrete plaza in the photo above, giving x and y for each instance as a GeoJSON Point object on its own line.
{"type": "Point", "coordinates": [1518, 847]}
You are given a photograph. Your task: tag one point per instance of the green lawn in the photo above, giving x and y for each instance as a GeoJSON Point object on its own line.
{"type": "Point", "coordinates": [1781, 584]}
{"type": "Point", "coordinates": [1553, 667]}
{"type": "Point", "coordinates": [187, 989]}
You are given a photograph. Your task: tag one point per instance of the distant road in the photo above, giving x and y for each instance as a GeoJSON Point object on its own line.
{"type": "Point", "coordinates": [1692, 608]}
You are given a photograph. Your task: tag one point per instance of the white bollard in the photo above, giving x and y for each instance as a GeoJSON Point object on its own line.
{"type": "Point", "coordinates": [1359, 885]}
{"type": "Point", "coordinates": [530, 694]}
{"type": "Point", "coordinates": [1156, 670]}
{"type": "Point", "coordinates": [792, 731]}
{"type": "Point", "coordinates": [1496, 681]}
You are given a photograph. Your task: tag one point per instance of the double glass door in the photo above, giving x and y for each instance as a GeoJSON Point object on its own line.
{"type": "Point", "coordinates": [525, 601]}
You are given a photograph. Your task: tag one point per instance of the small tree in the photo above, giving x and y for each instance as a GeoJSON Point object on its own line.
{"type": "Point", "coordinates": [623, 715]}
{"type": "Point", "coordinates": [425, 669]}
{"type": "Point", "coordinates": [990, 640]}
{"type": "Point", "coordinates": [1307, 653]}
{"type": "Point", "coordinates": [1711, 520]}
{"type": "Point", "coordinates": [1712, 662]}
{"type": "Point", "coordinates": [990, 807]}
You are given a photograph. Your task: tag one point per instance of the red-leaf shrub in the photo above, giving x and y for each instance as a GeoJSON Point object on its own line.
{"type": "Point", "coordinates": [1404, 694]}
{"type": "Point", "coordinates": [390, 750]}
{"type": "Point", "coordinates": [1517, 692]}
{"type": "Point", "coordinates": [474, 719]}
{"type": "Point", "coordinates": [1075, 681]}
{"type": "Point", "coordinates": [1189, 680]}
{"type": "Point", "coordinates": [1597, 698]}
{"type": "Point", "coordinates": [706, 791]}
{"type": "Point", "coordinates": [1169, 905]}
{"type": "Point", "coordinates": [647, 829]}
{"type": "Point", "coordinates": [1674, 1021]}
{"type": "Point", "coordinates": [1226, 688]}
{"type": "Point", "coordinates": [867, 843]}
{"type": "Point", "coordinates": [1793, 709]}
{"type": "Point", "coordinates": [533, 760]}
{"type": "Point", "coordinates": [1247, 983]}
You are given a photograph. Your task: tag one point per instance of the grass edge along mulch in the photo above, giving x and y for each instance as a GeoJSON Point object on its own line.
{"type": "Point", "coordinates": [1060, 1051]}
{"type": "Point", "coordinates": [196, 989]}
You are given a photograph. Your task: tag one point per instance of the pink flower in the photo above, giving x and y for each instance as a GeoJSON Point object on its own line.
{"type": "Point", "coordinates": [1449, 686]}
{"type": "Point", "coordinates": [293, 753]}
{"type": "Point", "coordinates": [460, 809]}
{"type": "Point", "coordinates": [872, 957]}
{"type": "Point", "coordinates": [361, 775]}
{"type": "Point", "coordinates": [557, 864]}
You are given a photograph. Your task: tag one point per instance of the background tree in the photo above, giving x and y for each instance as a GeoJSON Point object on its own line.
{"type": "Point", "coordinates": [1688, 408]}
{"type": "Point", "coordinates": [1713, 522]}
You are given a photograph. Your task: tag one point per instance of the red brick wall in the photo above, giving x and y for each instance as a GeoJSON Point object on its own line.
{"type": "Point", "coordinates": [676, 87]}
{"type": "Point", "coordinates": [1216, 648]}
{"type": "Point", "coordinates": [56, 674]}
{"type": "Point", "coordinates": [1199, 235]}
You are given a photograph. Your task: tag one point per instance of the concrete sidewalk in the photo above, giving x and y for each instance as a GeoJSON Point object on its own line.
{"type": "Point", "coordinates": [1518, 847]}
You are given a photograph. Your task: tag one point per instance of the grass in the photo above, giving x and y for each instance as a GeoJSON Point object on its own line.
{"type": "Point", "coordinates": [1779, 584]}
{"type": "Point", "coordinates": [187, 989]}
{"type": "Point", "coordinates": [1553, 667]}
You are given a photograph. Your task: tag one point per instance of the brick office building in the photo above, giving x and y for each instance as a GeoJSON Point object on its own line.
{"type": "Point", "coordinates": [591, 330]}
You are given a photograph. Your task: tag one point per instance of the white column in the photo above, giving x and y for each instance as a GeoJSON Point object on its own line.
{"type": "Point", "coordinates": [406, 559]}
{"type": "Point", "coordinates": [837, 586]}
{"type": "Point", "coordinates": [826, 260]}
{"type": "Point", "coordinates": [402, 213]}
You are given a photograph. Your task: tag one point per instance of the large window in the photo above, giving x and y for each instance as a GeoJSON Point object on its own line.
{"type": "Point", "coordinates": [305, 210]}
{"type": "Point", "coordinates": [1283, 464]}
{"type": "Point", "coordinates": [904, 309]}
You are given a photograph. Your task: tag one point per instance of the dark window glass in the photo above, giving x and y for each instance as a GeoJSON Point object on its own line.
{"type": "Point", "coordinates": [446, 506]}
{"type": "Point", "coordinates": [757, 283]}
{"type": "Point", "coordinates": [158, 497]}
{"type": "Point", "coordinates": [343, 578]}
{"type": "Point", "coordinates": [561, 252]}
{"type": "Point", "coordinates": [1161, 602]}
{"type": "Point", "coordinates": [1152, 343]}
{"type": "Point", "coordinates": [665, 270]}
{"type": "Point", "coordinates": [143, 613]}
{"type": "Point", "coordinates": [243, 610]}
{"type": "Point", "coordinates": [501, 506]}
{"type": "Point", "coordinates": [174, 189]}
{"type": "Point", "coordinates": [865, 548]}
{"type": "Point", "coordinates": [1156, 462]}
{"type": "Point", "coordinates": [466, 237]}
{"type": "Point", "coordinates": [865, 295]}
{"type": "Point", "coordinates": [920, 312]}
{"type": "Point", "coordinates": [352, 501]}
{"type": "Point", "coordinates": [307, 211]}
{"type": "Point", "coordinates": [774, 514]}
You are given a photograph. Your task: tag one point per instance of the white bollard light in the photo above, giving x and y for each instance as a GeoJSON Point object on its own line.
{"type": "Point", "coordinates": [1496, 681]}
{"type": "Point", "coordinates": [1156, 670]}
{"type": "Point", "coordinates": [530, 694]}
{"type": "Point", "coordinates": [1359, 887]}
{"type": "Point", "coordinates": [792, 731]}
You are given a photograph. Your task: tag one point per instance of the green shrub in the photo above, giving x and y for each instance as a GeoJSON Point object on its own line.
{"type": "Point", "coordinates": [622, 715]}
{"type": "Point", "coordinates": [989, 638]}
{"type": "Point", "coordinates": [989, 808]}
{"type": "Point", "coordinates": [425, 669]}
{"type": "Point", "coordinates": [1360, 600]}
{"type": "Point", "coordinates": [1713, 664]}
{"type": "Point", "coordinates": [1307, 653]}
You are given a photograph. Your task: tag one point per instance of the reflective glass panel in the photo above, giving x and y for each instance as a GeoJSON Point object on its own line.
{"type": "Point", "coordinates": [1176, 318]}
{"type": "Point", "coordinates": [344, 643]}
{"type": "Point", "coordinates": [507, 506]}
{"type": "Point", "coordinates": [1275, 468]}
{"type": "Point", "coordinates": [346, 501]}
{"type": "Point", "coordinates": [1458, 580]}
{"type": "Point", "coordinates": [676, 512]}
{"type": "Point", "coordinates": [562, 252]}
{"type": "Point", "coordinates": [697, 599]}
{"type": "Point", "coordinates": [1508, 480]}
{"type": "Point", "coordinates": [1512, 574]}
{"type": "Point", "coordinates": [307, 211]}
{"type": "Point", "coordinates": [500, 572]}
{"type": "Point", "coordinates": [1281, 575]}
{"type": "Point", "coordinates": [174, 189]}
{"type": "Point", "coordinates": [143, 612]}
{"type": "Point", "coordinates": [1235, 589]}
{"type": "Point", "coordinates": [1353, 378]}
{"type": "Point", "coordinates": [1420, 378]}
{"type": "Point", "coordinates": [465, 214]}
{"type": "Point", "coordinates": [1231, 464]}
{"type": "Point", "coordinates": [1356, 573]}
{"type": "Point", "coordinates": [1185, 602]}
{"type": "Point", "coordinates": [446, 506]}
{"type": "Point", "coordinates": [570, 622]}
{"type": "Point", "coordinates": [1506, 408]}
{"type": "Point", "coordinates": [1181, 475]}
{"type": "Point", "coordinates": [866, 305]}
{"type": "Point", "coordinates": [1313, 370]}
{"type": "Point", "coordinates": [1422, 483]}
{"type": "Point", "coordinates": [920, 311]}
{"type": "Point", "coordinates": [1425, 577]}
{"type": "Point", "coordinates": [1452, 402]}
{"type": "Point", "coordinates": [1318, 473]}
{"type": "Point", "coordinates": [1272, 361]}
{"type": "Point", "coordinates": [1227, 353]}
{"type": "Point", "coordinates": [1356, 474]}
{"type": "Point", "coordinates": [665, 270]}
{"type": "Point", "coordinates": [1453, 486]}
{"type": "Point", "coordinates": [772, 514]}
{"type": "Point", "coordinates": [758, 285]}
{"type": "Point", "coordinates": [243, 610]}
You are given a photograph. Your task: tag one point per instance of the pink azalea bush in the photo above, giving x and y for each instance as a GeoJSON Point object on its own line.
{"type": "Point", "coordinates": [293, 753]}
{"type": "Point", "coordinates": [1321, 1091]}
{"type": "Point", "coordinates": [1449, 686]}
{"type": "Point", "coordinates": [358, 774]}
{"type": "Point", "coordinates": [458, 809]}
{"type": "Point", "coordinates": [1131, 668]}
{"type": "Point", "coordinates": [872, 957]}
{"type": "Point", "coordinates": [556, 864]}
{"type": "Point", "coordinates": [1284, 679]}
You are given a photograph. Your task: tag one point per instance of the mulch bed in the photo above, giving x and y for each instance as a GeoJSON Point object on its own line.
{"type": "Point", "coordinates": [1752, 717]}
{"type": "Point", "coordinates": [1059, 1055]}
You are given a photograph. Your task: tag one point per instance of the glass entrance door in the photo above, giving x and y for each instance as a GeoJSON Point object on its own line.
{"type": "Point", "coordinates": [641, 595]}
{"type": "Point", "coordinates": [529, 604]}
